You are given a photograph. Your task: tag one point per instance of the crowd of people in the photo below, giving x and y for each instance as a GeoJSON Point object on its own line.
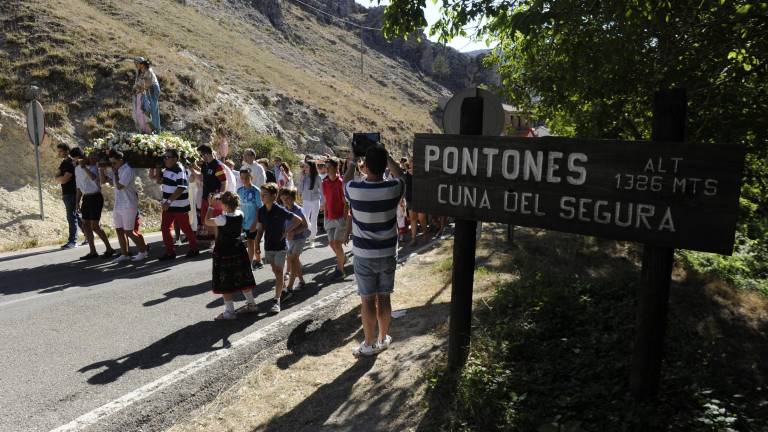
{"type": "Point", "coordinates": [367, 200]}
{"type": "Point", "coordinates": [257, 215]}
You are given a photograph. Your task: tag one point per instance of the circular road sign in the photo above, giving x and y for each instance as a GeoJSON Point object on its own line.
{"type": "Point", "coordinates": [493, 112]}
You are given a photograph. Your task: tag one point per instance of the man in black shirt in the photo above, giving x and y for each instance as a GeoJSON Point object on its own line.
{"type": "Point", "coordinates": [214, 179]}
{"type": "Point", "coordinates": [66, 178]}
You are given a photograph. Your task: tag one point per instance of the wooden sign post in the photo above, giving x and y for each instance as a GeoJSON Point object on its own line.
{"type": "Point", "coordinates": [663, 193]}
{"type": "Point", "coordinates": [669, 116]}
{"type": "Point", "coordinates": [471, 112]}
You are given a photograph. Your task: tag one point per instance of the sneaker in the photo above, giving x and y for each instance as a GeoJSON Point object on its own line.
{"type": "Point", "coordinates": [338, 274]}
{"type": "Point", "coordinates": [192, 253]}
{"type": "Point", "coordinates": [287, 294]}
{"type": "Point", "coordinates": [381, 345]}
{"type": "Point", "coordinates": [275, 306]}
{"type": "Point", "coordinates": [70, 245]}
{"type": "Point", "coordinates": [301, 285]}
{"type": "Point", "coordinates": [91, 255]}
{"type": "Point", "coordinates": [167, 257]}
{"type": "Point", "coordinates": [141, 256]}
{"type": "Point", "coordinates": [108, 253]}
{"type": "Point", "coordinates": [258, 265]}
{"type": "Point", "coordinates": [226, 316]}
{"type": "Point", "coordinates": [364, 350]}
{"type": "Point", "coordinates": [122, 258]}
{"type": "Point", "coordinates": [84, 242]}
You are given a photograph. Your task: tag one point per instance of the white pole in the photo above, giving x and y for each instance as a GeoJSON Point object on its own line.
{"type": "Point", "coordinates": [361, 53]}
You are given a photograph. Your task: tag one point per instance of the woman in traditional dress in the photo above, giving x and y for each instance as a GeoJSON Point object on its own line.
{"type": "Point", "coordinates": [231, 266]}
{"type": "Point", "coordinates": [311, 194]}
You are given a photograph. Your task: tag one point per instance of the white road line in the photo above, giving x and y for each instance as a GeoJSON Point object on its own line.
{"type": "Point", "coordinates": [37, 296]}
{"type": "Point", "coordinates": [147, 390]}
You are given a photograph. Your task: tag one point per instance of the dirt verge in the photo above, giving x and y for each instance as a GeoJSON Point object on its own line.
{"type": "Point", "coordinates": [313, 383]}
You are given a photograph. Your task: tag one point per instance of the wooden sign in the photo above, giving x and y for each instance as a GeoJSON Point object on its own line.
{"type": "Point", "coordinates": [678, 195]}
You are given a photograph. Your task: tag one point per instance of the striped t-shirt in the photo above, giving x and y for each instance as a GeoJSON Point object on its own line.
{"type": "Point", "coordinates": [174, 178]}
{"type": "Point", "coordinates": [374, 216]}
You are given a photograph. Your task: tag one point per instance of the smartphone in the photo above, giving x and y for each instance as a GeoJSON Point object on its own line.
{"type": "Point", "coordinates": [362, 141]}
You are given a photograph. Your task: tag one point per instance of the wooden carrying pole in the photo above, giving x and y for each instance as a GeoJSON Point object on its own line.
{"type": "Point", "coordinates": [669, 116]}
{"type": "Point", "coordinates": [464, 244]}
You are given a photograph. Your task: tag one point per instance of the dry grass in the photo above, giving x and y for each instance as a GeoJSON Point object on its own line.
{"type": "Point", "coordinates": [319, 72]}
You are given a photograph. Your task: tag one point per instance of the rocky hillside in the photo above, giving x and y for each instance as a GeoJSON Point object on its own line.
{"type": "Point", "coordinates": [258, 67]}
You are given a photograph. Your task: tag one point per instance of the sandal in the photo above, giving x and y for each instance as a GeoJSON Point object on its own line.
{"type": "Point", "coordinates": [226, 316]}
{"type": "Point", "coordinates": [248, 308]}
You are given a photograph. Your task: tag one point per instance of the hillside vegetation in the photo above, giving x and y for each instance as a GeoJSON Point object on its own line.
{"type": "Point", "coordinates": [288, 74]}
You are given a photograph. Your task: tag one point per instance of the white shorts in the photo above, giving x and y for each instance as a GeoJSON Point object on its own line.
{"type": "Point", "coordinates": [124, 219]}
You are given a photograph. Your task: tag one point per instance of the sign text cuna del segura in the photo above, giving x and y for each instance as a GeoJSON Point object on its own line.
{"type": "Point", "coordinates": [556, 167]}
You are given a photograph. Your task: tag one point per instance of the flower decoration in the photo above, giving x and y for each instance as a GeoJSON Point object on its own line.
{"type": "Point", "coordinates": [145, 147]}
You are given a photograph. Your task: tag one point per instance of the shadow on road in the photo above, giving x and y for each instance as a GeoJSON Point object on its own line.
{"type": "Point", "coordinates": [182, 293]}
{"type": "Point", "coordinates": [198, 338]}
{"type": "Point", "coordinates": [50, 278]}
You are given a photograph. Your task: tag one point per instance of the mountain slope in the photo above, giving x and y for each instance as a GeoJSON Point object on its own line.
{"type": "Point", "coordinates": [289, 73]}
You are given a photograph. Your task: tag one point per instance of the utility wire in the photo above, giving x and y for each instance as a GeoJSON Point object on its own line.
{"type": "Point", "coordinates": [337, 18]}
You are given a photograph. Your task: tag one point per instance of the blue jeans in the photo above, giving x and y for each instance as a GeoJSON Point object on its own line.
{"type": "Point", "coordinates": [375, 275]}
{"type": "Point", "coordinates": [73, 218]}
{"type": "Point", "coordinates": [154, 109]}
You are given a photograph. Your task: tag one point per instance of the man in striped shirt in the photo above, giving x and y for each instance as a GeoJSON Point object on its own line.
{"type": "Point", "coordinates": [374, 204]}
{"type": "Point", "coordinates": [175, 187]}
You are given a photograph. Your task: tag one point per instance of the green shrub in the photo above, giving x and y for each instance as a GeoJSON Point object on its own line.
{"type": "Point", "coordinates": [746, 268]}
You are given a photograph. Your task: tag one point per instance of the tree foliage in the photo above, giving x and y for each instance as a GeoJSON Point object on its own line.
{"type": "Point", "coordinates": [589, 68]}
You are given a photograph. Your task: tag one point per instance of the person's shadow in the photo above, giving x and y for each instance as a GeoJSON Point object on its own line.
{"type": "Point", "coordinates": [338, 389]}
{"type": "Point", "coordinates": [303, 340]}
{"type": "Point", "coordinates": [198, 338]}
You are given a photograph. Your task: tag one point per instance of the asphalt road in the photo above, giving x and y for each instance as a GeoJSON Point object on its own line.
{"type": "Point", "coordinates": [79, 334]}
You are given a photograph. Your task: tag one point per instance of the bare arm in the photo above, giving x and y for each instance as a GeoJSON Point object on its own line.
{"type": "Point", "coordinates": [349, 228]}
{"type": "Point", "coordinates": [394, 167]}
{"type": "Point", "coordinates": [210, 221]}
{"type": "Point", "coordinates": [154, 174]}
{"type": "Point", "coordinates": [259, 234]}
{"type": "Point", "coordinates": [296, 222]}
{"type": "Point", "coordinates": [78, 196]}
{"type": "Point", "coordinates": [61, 179]}
{"type": "Point", "coordinates": [351, 164]}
